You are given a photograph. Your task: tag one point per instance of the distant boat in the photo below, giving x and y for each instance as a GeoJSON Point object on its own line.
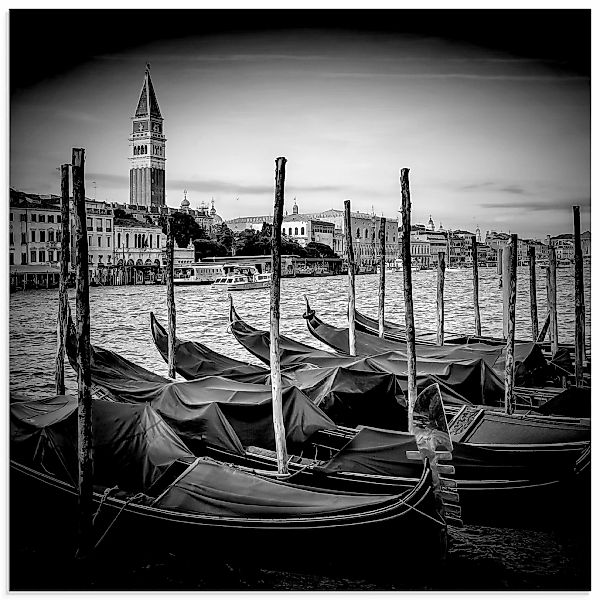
{"type": "Point", "coordinates": [243, 281]}
{"type": "Point", "coordinates": [197, 274]}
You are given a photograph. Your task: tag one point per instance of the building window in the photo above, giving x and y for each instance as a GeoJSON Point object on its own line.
{"type": "Point", "coordinates": [12, 239]}
{"type": "Point", "coordinates": [302, 231]}
{"type": "Point", "coordinates": [24, 218]}
{"type": "Point", "coordinates": [33, 217]}
{"type": "Point", "coordinates": [51, 235]}
{"type": "Point", "coordinates": [58, 236]}
{"type": "Point", "coordinates": [33, 236]}
{"type": "Point", "coordinates": [295, 231]}
{"type": "Point", "coordinates": [98, 224]}
{"type": "Point", "coordinates": [150, 240]}
{"type": "Point", "coordinates": [42, 236]}
{"type": "Point", "coordinates": [42, 219]}
{"type": "Point", "coordinates": [23, 258]}
{"type": "Point", "coordinates": [126, 240]}
{"type": "Point", "coordinates": [357, 233]}
{"type": "Point", "coordinates": [51, 255]}
{"type": "Point", "coordinates": [58, 218]}
{"type": "Point", "coordinates": [33, 254]}
{"type": "Point", "coordinates": [12, 258]}
{"type": "Point", "coordinates": [89, 224]}
{"type": "Point", "coordinates": [11, 216]}
{"type": "Point", "coordinates": [107, 241]}
{"type": "Point", "coordinates": [58, 255]}
{"type": "Point", "coordinates": [118, 240]}
{"type": "Point", "coordinates": [99, 241]}
{"type": "Point", "coordinates": [90, 259]}
{"type": "Point", "coordinates": [42, 257]}
{"type": "Point", "coordinates": [108, 225]}
{"type": "Point", "coordinates": [50, 218]}
{"type": "Point", "coordinates": [23, 237]}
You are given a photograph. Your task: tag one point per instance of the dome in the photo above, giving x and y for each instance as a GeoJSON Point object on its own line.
{"type": "Point", "coordinates": [185, 203]}
{"type": "Point", "coordinates": [217, 218]}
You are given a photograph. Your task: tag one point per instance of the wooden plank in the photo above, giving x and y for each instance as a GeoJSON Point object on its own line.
{"type": "Point", "coordinates": [552, 300]}
{"type": "Point", "coordinates": [171, 312]}
{"type": "Point", "coordinates": [381, 313]}
{"type": "Point", "coordinates": [275, 361]}
{"type": "Point", "coordinates": [411, 356]}
{"type": "Point", "coordinates": [579, 301]}
{"type": "Point", "coordinates": [509, 373]}
{"type": "Point", "coordinates": [84, 379]}
{"type": "Point", "coordinates": [63, 295]}
{"type": "Point", "coordinates": [533, 293]}
{"type": "Point", "coordinates": [351, 280]}
{"type": "Point", "coordinates": [476, 286]}
{"type": "Point", "coordinates": [441, 269]}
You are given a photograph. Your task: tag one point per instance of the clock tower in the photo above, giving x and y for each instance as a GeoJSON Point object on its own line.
{"type": "Point", "coordinates": [147, 150]}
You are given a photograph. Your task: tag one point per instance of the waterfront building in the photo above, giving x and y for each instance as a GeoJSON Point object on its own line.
{"type": "Point", "coordinates": [586, 244]}
{"type": "Point", "coordinates": [34, 234]}
{"type": "Point", "coordinates": [304, 230]}
{"type": "Point", "coordinates": [437, 242]}
{"type": "Point", "coordinates": [207, 219]}
{"type": "Point", "coordinates": [420, 251]}
{"type": "Point", "coordinates": [138, 244]}
{"type": "Point", "coordinates": [147, 150]}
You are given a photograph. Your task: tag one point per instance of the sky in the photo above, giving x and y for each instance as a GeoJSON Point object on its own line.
{"type": "Point", "coordinates": [490, 110]}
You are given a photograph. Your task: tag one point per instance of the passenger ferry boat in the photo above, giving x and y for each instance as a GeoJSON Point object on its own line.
{"type": "Point", "coordinates": [243, 279]}
{"type": "Point", "coordinates": [197, 274]}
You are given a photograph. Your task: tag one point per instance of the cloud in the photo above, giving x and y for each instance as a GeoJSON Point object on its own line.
{"type": "Point", "coordinates": [217, 186]}
{"type": "Point", "coordinates": [512, 189]}
{"type": "Point", "coordinates": [538, 204]}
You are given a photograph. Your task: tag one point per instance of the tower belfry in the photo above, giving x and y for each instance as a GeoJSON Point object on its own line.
{"type": "Point", "coordinates": [147, 150]}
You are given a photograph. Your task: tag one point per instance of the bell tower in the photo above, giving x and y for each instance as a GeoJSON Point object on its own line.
{"type": "Point", "coordinates": [147, 150]}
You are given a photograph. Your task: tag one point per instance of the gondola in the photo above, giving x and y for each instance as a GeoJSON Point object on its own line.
{"type": "Point", "coordinates": [350, 396]}
{"type": "Point", "coordinates": [162, 494]}
{"type": "Point", "coordinates": [531, 368]}
{"type": "Point", "coordinates": [471, 378]}
{"type": "Point", "coordinates": [372, 459]}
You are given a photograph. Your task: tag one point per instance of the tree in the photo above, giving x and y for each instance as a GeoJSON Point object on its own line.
{"type": "Point", "coordinates": [318, 250]}
{"type": "Point", "coordinates": [224, 236]}
{"type": "Point", "coordinates": [204, 248]}
{"type": "Point", "coordinates": [185, 229]}
{"type": "Point", "coordinates": [119, 213]}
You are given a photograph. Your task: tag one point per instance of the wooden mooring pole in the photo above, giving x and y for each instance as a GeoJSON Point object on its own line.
{"type": "Point", "coordinates": [171, 316]}
{"type": "Point", "coordinates": [579, 301]}
{"type": "Point", "coordinates": [506, 262]}
{"type": "Point", "coordinates": [533, 294]}
{"type": "Point", "coordinates": [441, 270]}
{"type": "Point", "coordinates": [511, 284]}
{"type": "Point", "coordinates": [278, 425]}
{"type": "Point", "coordinates": [551, 289]}
{"type": "Point", "coordinates": [476, 286]}
{"type": "Point", "coordinates": [351, 280]}
{"type": "Point", "coordinates": [411, 354]}
{"type": "Point", "coordinates": [84, 379]}
{"type": "Point", "coordinates": [63, 295]}
{"type": "Point", "coordinates": [381, 276]}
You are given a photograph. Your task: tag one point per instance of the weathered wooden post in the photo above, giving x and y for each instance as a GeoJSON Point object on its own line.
{"type": "Point", "coordinates": [506, 262]}
{"type": "Point", "coordinates": [441, 270]}
{"type": "Point", "coordinates": [84, 379]}
{"type": "Point", "coordinates": [63, 295]}
{"type": "Point", "coordinates": [499, 261]}
{"type": "Point", "coordinates": [533, 294]}
{"type": "Point", "coordinates": [476, 286]}
{"type": "Point", "coordinates": [278, 425]}
{"type": "Point", "coordinates": [170, 249]}
{"type": "Point", "coordinates": [351, 280]}
{"type": "Point", "coordinates": [381, 276]}
{"type": "Point", "coordinates": [551, 288]}
{"type": "Point", "coordinates": [511, 284]}
{"type": "Point", "coordinates": [579, 301]}
{"type": "Point", "coordinates": [411, 360]}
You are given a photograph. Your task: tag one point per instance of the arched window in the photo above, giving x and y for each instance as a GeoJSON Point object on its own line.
{"type": "Point", "coordinates": [290, 231]}
{"type": "Point", "coordinates": [118, 240]}
{"type": "Point", "coordinates": [150, 240]}
{"type": "Point", "coordinates": [302, 231]}
{"type": "Point", "coordinates": [366, 234]}
{"type": "Point", "coordinates": [358, 233]}
{"type": "Point", "coordinates": [295, 231]}
{"type": "Point", "coordinates": [127, 240]}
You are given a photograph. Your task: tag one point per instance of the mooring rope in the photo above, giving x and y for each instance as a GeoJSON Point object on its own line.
{"type": "Point", "coordinates": [130, 499]}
